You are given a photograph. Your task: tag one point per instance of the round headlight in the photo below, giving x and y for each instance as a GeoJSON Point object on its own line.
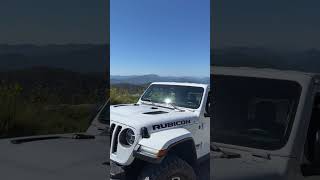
{"type": "Point", "coordinates": [127, 137]}
{"type": "Point", "coordinates": [130, 137]}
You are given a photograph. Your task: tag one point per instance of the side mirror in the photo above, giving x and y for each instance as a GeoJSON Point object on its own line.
{"type": "Point", "coordinates": [316, 152]}
{"type": "Point", "coordinates": [208, 109]}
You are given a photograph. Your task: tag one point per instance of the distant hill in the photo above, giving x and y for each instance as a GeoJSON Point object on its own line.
{"type": "Point", "coordinates": [131, 88]}
{"type": "Point", "coordinates": [146, 79]}
{"type": "Point", "coordinates": [73, 57]}
{"type": "Point", "coordinates": [305, 60]}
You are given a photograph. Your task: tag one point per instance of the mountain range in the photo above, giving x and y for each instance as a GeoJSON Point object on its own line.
{"type": "Point", "coordinates": [145, 79]}
{"type": "Point", "coordinates": [73, 57]}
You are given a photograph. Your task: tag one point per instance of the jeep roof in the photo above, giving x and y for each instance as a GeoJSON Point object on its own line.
{"type": "Point", "coordinates": [302, 77]}
{"type": "Point", "coordinates": [182, 84]}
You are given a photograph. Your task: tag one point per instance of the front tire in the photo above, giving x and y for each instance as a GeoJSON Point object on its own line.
{"type": "Point", "coordinates": [171, 168]}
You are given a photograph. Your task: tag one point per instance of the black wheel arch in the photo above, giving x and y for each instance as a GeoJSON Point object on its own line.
{"type": "Point", "coordinates": [184, 149]}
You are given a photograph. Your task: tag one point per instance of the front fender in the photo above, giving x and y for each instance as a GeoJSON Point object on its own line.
{"type": "Point", "coordinates": [151, 149]}
{"type": "Point", "coordinates": [163, 139]}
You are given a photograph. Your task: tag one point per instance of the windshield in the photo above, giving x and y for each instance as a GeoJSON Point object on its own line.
{"type": "Point", "coordinates": [253, 112]}
{"type": "Point", "coordinates": [182, 96]}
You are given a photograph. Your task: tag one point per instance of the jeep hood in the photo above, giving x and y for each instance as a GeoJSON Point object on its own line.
{"type": "Point", "coordinates": [54, 159]}
{"type": "Point", "coordinates": [138, 116]}
{"type": "Point", "coordinates": [246, 167]}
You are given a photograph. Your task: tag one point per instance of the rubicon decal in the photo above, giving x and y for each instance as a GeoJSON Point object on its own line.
{"type": "Point", "coordinates": [171, 124]}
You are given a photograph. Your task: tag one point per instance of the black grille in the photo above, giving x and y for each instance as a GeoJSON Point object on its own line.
{"type": "Point", "coordinates": [115, 130]}
{"type": "Point", "coordinates": [111, 129]}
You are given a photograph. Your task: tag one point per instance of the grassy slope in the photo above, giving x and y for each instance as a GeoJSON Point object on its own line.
{"type": "Point", "coordinates": [126, 93]}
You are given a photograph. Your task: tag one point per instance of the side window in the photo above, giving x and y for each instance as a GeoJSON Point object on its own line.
{"type": "Point", "coordinates": [312, 145]}
{"type": "Point", "coordinates": [268, 116]}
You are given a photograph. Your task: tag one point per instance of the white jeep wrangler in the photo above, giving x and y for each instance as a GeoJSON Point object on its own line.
{"type": "Point", "coordinates": [163, 136]}
{"type": "Point", "coordinates": [265, 124]}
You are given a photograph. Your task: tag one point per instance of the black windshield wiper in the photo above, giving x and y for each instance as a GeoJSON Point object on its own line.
{"type": "Point", "coordinates": [175, 107]}
{"type": "Point", "coordinates": [172, 106]}
{"type": "Point", "coordinates": [225, 154]}
{"type": "Point", "coordinates": [106, 163]}
{"type": "Point", "coordinates": [31, 139]}
{"type": "Point", "coordinates": [152, 103]}
{"type": "Point", "coordinates": [104, 131]}
{"type": "Point", "coordinates": [148, 100]}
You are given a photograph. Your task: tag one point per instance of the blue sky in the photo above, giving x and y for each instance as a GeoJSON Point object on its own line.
{"type": "Point", "coordinates": [164, 37]}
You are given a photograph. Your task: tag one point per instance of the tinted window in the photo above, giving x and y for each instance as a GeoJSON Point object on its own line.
{"type": "Point", "coordinates": [253, 112]}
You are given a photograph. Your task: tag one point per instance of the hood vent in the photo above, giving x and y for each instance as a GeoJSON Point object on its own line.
{"type": "Point", "coordinates": [155, 112]}
{"type": "Point", "coordinates": [120, 105]}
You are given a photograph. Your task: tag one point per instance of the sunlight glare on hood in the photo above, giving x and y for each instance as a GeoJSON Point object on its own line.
{"type": "Point", "coordinates": [167, 100]}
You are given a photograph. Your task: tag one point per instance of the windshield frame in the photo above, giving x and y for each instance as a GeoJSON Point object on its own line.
{"type": "Point", "coordinates": [104, 107]}
{"type": "Point", "coordinates": [284, 140]}
{"type": "Point", "coordinates": [163, 104]}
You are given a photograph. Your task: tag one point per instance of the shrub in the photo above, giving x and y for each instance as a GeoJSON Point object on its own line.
{"type": "Point", "coordinates": [122, 96]}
